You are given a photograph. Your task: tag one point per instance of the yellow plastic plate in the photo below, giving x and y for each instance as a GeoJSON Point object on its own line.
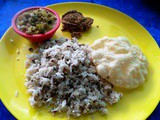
{"type": "Point", "coordinates": [136, 104]}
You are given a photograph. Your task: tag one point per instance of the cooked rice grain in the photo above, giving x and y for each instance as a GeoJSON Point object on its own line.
{"type": "Point", "coordinates": [61, 74]}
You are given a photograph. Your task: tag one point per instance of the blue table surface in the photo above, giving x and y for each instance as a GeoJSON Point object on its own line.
{"type": "Point", "coordinates": [144, 11]}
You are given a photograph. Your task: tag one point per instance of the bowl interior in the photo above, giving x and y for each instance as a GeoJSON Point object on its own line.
{"type": "Point", "coordinates": [14, 20]}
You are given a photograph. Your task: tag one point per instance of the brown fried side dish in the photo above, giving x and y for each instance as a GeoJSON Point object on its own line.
{"type": "Point", "coordinates": [74, 22]}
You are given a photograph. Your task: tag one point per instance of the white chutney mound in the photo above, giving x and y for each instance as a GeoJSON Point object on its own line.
{"type": "Point", "coordinates": [119, 62]}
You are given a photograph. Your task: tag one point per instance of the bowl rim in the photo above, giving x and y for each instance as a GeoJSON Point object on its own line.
{"type": "Point", "coordinates": [35, 35]}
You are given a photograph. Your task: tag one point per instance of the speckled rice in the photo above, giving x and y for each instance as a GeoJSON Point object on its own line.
{"type": "Point", "coordinates": [60, 74]}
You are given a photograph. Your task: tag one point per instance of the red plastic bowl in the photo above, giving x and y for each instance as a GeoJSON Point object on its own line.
{"type": "Point", "coordinates": [36, 37]}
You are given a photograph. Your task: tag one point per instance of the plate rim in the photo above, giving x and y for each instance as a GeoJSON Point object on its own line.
{"type": "Point", "coordinates": [113, 9]}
